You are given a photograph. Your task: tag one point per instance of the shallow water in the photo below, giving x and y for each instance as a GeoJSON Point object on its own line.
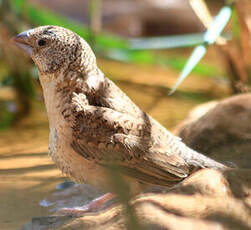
{"type": "Point", "coordinates": [27, 174]}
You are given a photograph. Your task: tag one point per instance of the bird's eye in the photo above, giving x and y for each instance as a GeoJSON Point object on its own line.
{"type": "Point", "coordinates": [41, 42]}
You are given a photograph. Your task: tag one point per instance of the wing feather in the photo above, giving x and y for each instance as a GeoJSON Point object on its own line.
{"type": "Point", "coordinates": [137, 145]}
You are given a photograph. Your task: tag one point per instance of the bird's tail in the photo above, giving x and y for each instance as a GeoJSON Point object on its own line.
{"type": "Point", "coordinates": [197, 159]}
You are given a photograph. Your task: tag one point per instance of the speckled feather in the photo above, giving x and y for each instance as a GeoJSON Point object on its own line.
{"type": "Point", "coordinates": [94, 124]}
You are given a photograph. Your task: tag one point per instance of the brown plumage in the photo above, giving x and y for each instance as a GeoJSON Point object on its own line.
{"type": "Point", "coordinates": [93, 124]}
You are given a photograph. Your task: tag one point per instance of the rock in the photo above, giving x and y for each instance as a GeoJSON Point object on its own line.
{"type": "Point", "coordinates": [221, 130]}
{"type": "Point", "coordinates": [49, 222]}
{"type": "Point", "coordinates": [208, 200]}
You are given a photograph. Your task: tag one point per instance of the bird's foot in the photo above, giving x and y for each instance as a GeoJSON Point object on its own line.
{"type": "Point", "coordinates": [94, 206]}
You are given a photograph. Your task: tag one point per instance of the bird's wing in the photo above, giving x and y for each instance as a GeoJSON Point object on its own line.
{"type": "Point", "coordinates": [111, 137]}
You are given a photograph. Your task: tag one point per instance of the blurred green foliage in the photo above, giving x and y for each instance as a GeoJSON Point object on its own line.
{"type": "Point", "coordinates": [235, 22]}
{"type": "Point", "coordinates": [18, 15]}
{"type": "Point", "coordinates": [16, 70]}
{"type": "Point", "coordinates": [106, 45]}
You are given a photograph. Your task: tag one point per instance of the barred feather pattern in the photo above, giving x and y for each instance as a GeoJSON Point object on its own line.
{"type": "Point", "coordinates": [94, 125]}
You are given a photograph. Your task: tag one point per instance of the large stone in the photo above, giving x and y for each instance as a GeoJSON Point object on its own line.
{"type": "Point", "coordinates": [207, 200]}
{"type": "Point", "coordinates": [221, 130]}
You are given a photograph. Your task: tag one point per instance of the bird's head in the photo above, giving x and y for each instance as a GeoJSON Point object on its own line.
{"type": "Point", "coordinates": [55, 48]}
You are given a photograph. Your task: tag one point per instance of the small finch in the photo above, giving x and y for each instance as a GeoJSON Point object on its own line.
{"type": "Point", "coordinates": [94, 124]}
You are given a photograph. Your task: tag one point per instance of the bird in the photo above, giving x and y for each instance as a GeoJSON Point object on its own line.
{"type": "Point", "coordinates": [94, 125]}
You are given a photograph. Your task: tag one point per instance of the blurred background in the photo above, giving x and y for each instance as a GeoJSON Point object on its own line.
{"type": "Point", "coordinates": [142, 45]}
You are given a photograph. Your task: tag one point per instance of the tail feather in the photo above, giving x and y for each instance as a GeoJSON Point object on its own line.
{"type": "Point", "coordinates": [196, 159]}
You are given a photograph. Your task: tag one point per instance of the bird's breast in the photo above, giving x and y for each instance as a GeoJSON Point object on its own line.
{"type": "Point", "coordinates": [70, 162]}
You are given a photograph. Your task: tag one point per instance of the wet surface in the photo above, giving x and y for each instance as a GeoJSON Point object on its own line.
{"type": "Point", "coordinates": [27, 174]}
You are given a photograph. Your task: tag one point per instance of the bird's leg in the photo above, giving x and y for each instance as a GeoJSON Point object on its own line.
{"type": "Point", "coordinates": [94, 206]}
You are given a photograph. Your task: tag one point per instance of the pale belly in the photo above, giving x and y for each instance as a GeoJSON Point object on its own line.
{"type": "Point", "coordinates": [73, 164]}
{"type": "Point", "coordinates": [81, 170]}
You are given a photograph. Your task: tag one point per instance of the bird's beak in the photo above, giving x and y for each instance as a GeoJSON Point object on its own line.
{"type": "Point", "coordinates": [22, 41]}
